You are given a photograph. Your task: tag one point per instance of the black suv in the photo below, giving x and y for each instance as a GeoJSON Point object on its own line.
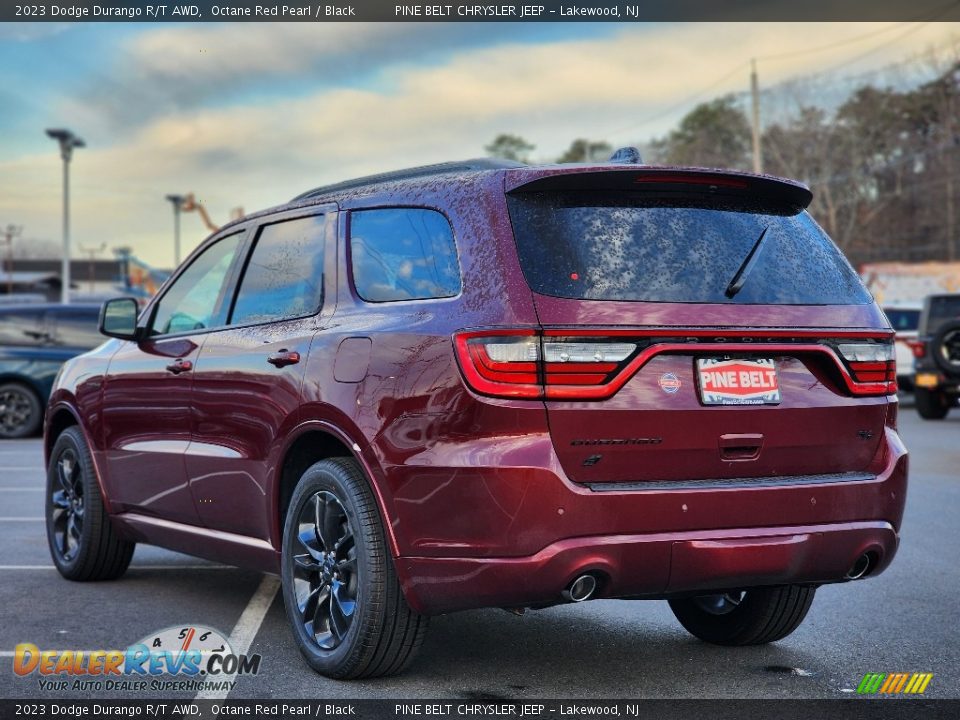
{"type": "Point", "coordinates": [35, 340]}
{"type": "Point", "coordinates": [937, 353]}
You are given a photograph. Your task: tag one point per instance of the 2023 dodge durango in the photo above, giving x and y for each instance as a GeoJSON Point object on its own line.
{"type": "Point", "coordinates": [492, 385]}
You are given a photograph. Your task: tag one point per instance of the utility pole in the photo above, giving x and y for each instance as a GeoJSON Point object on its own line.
{"type": "Point", "coordinates": [9, 234]}
{"type": "Point", "coordinates": [177, 201]}
{"type": "Point", "coordinates": [68, 141]}
{"type": "Point", "coordinates": [92, 252]}
{"type": "Point", "coordinates": [755, 95]}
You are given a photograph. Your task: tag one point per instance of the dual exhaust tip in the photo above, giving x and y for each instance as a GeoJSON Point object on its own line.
{"type": "Point", "coordinates": [583, 587]}
{"type": "Point", "coordinates": [860, 568]}
{"type": "Point", "coordinates": [580, 589]}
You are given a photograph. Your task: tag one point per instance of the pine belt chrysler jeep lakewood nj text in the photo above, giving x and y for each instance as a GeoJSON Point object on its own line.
{"type": "Point", "coordinates": [493, 385]}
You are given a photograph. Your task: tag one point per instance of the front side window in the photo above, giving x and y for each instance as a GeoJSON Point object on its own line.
{"type": "Point", "coordinates": [196, 300]}
{"type": "Point", "coordinates": [284, 277]}
{"type": "Point", "coordinates": [403, 254]}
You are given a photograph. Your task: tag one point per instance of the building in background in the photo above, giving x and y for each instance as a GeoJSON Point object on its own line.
{"type": "Point", "coordinates": [38, 280]}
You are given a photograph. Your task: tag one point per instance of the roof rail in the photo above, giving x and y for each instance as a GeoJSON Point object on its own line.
{"type": "Point", "coordinates": [410, 173]}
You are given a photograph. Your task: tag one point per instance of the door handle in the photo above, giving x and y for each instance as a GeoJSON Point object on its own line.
{"type": "Point", "coordinates": [284, 358]}
{"type": "Point", "coordinates": [740, 447]}
{"type": "Point", "coordinates": [180, 366]}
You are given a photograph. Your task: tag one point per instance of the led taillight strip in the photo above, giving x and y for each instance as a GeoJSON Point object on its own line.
{"type": "Point", "coordinates": [575, 381]}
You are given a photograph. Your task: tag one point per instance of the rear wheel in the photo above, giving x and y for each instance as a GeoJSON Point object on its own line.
{"type": "Point", "coordinates": [931, 405]}
{"type": "Point", "coordinates": [746, 617]}
{"type": "Point", "coordinates": [20, 411]}
{"type": "Point", "coordinates": [83, 543]}
{"type": "Point", "coordinates": [340, 589]}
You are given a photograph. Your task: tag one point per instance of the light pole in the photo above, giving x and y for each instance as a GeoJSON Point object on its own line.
{"type": "Point", "coordinates": [68, 141]}
{"type": "Point", "coordinates": [177, 201]}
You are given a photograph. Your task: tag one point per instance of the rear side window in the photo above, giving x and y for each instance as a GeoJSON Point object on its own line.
{"type": "Point", "coordinates": [622, 246]}
{"type": "Point", "coordinates": [77, 329]}
{"type": "Point", "coordinates": [403, 254]}
{"type": "Point", "coordinates": [284, 276]}
{"type": "Point", "coordinates": [22, 327]}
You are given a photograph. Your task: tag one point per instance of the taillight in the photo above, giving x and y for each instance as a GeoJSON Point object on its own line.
{"type": "Point", "coordinates": [504, 363]}
{"type": "Point", "coordinates": [873, 367]}
{"type": "Point", "coordinates": [589, 364]}
{"type": "Point", "coordinates": [521, 364]}
{"type": "Point", "coordinates": [919, 349]}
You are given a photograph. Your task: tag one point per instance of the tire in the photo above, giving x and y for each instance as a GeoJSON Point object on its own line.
{"type": "Point", "coordinates": [20, 411]}
{"type": "Point", "coordinates": [340, 588]}
{"type": "Point", "coordinates": [83, 544]}
{"type": "Point", "coordinates": [751, 617]}
{"type": "Point", "coordinates": [945, 347]}
{"type": "Point", "coordinates": [930, 404]}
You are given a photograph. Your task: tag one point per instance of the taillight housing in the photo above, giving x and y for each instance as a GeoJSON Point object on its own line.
{"type": "Point", "coordinates": [503, 363]}
{"type": "Point", "coordinates": [872, 366]}
{"type": "Point", "coordinates": [918, 348]}
{"type": "Point", "coordinates": [521, 363]}
{"type": "Point", "coordinates": [593, 364]}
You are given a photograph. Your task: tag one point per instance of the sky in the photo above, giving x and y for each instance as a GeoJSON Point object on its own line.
{"type": "Point", "coordinates": [250, 115]}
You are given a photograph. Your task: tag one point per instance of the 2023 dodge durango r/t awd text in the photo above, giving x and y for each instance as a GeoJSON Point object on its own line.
{"type": "Point", "coordinates": [492, 385]}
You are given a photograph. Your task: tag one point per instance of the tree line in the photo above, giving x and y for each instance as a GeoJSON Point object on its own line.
{"type": "Point", "coordinates": [883, 165]}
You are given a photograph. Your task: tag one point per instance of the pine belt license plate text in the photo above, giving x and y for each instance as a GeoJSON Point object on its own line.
{"type": "Point", "coordinates": [738, 381]}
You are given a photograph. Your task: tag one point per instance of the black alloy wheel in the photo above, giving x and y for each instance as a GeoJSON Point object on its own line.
{"type": "Point", "coordinates": [66, 498]}
{"type": "Point", "coordinates": [325, 573]}
{"type": "Point", "coordinates": [345, 606]}
{"type": "Point", "coordinates": [83, 543]}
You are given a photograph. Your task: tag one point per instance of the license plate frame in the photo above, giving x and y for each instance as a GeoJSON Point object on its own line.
{"type": "Point", "coordinates": [738, 381]}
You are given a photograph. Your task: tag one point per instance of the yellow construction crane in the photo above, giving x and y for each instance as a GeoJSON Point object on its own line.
{"type": "Point", "coordinates": [190, 204]}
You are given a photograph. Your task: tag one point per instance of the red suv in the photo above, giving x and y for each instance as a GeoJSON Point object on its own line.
{"type": "Point", "coordinates": [492, 385]}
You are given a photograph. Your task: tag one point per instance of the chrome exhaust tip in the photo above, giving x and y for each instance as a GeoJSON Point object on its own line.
{"type": "Point", "coordinates": [582, 588]}
{"type": "Point", "coordinates": [860, 568]}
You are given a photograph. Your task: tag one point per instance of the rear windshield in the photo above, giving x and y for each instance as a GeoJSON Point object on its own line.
{"type": "Point", "coordinates": [903, 320]}
{"type": "Point", "coordinates": [621, 246]}
{"type": "Point", "coordinates": [943, 308]}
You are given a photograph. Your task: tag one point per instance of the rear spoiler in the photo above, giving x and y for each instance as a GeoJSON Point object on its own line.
{"type": "Point", "coordinates": [659, 179]}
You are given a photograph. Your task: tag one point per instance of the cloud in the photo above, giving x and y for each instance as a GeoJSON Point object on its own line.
{"type": "Point", "coordinates": [264, 151]}
{"type": "Point", "coordinates": [179, 69]}
{"type": "Point", "coordinates": [29, 31]}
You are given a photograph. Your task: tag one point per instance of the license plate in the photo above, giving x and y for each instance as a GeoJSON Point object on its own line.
{"type": "Point", "coordinates": [738, 381]}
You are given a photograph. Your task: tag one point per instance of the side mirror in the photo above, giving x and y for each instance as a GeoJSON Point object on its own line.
{"type": "Point", "coordinates": [118, 318]}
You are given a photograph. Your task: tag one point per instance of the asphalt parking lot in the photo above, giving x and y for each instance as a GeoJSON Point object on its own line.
{"type": "Point", "coordinates": [903, 621]}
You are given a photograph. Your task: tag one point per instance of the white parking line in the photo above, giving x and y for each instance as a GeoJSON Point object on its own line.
{"type": "Point", "coordinates": [246, 629]}
{"type": "Point", "coordinates": [22, 519]}
{"type": "Point", "coordinates": [21, 489]}
{"type": "Point", "coordinates": [132, 567]}
{"type": "Point", "coordinates": [22, 468]}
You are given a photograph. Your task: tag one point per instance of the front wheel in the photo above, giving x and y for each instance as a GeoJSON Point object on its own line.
{"type": "Point", "coordinates": [83, 543]}
{"type": "Point", "coordinates": [340, 589]}
{"type": "Point", "coordinates": [746, 617]}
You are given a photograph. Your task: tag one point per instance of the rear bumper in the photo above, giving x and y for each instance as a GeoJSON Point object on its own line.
{"type": "Point", "coordinates": [656, 543]}
{"type": "Point", "coordinates": [651, 566]}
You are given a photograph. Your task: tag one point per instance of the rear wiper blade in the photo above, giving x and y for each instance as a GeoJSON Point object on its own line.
{"type": "Point", "coordinates": [736, 285]}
